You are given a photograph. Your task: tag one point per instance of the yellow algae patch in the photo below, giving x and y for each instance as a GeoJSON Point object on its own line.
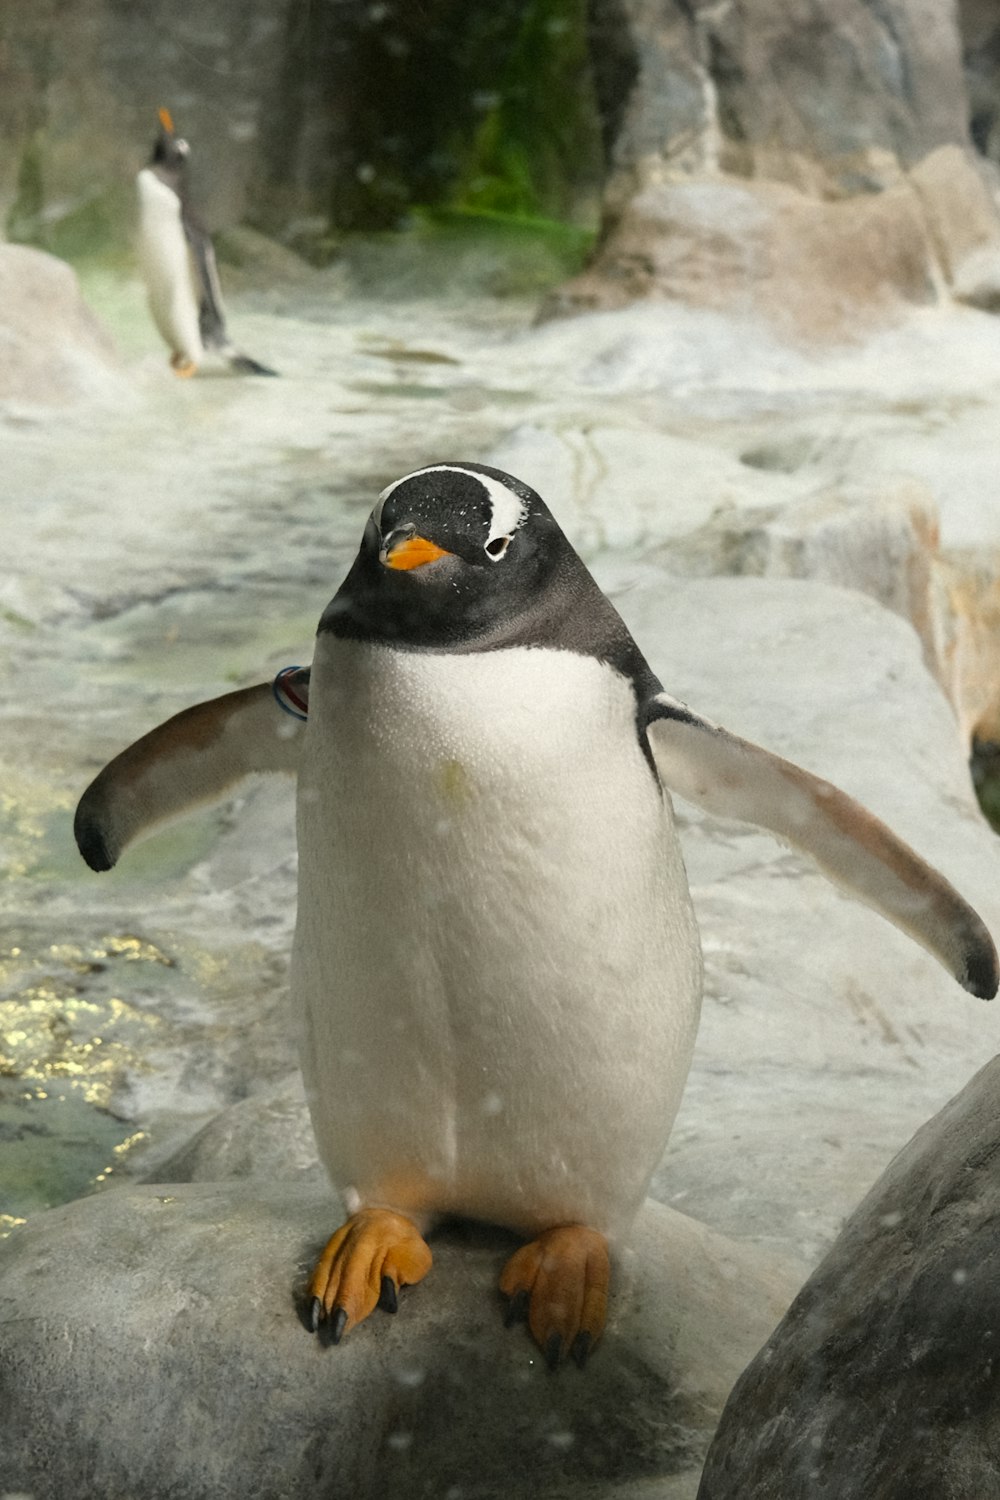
{"type": "Point", "coordinates": [456, 783]}
{"type": "Point", "coordinates": [56, 1039]}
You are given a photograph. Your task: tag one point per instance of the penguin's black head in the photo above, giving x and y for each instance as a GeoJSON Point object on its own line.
{"type": "Point", "coordinates": [460, 557]}
{"type": "Point", "coordinates": [455, 556]}
{"type": "Point", "coordinates": [170, 152]}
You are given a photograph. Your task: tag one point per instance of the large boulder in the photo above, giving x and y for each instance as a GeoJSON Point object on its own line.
{"type": "Point", "coordinates": [880, 1383]}
{"type": "Point", "coordinates": [52, 348]}
{"type": "Point", "coordinates": [814, 268]}
{"type": "Point", "coordinates": [150, 1345]}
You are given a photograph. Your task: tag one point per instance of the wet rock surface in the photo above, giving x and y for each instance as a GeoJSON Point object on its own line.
{"type": "Point", "coordinates": [880, 1382]}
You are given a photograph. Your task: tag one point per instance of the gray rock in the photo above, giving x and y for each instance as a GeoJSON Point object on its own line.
{"type": "Point", "coordinates": [52, 348]}
{"type": "Point", "coordinates": [832, 95]}
{"type": "Point", "coordinates": [268, 1136]}
{"type": "Point", "coordinates": [150, 1345]}
{"type": "Point", "coordinates": [980, 28]}
{"type": "Point", "coordinates": [880, 1383]}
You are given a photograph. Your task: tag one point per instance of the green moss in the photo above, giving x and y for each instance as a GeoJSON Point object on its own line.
{"type": "Point", "coordinates": [537, 149]}
{"type": "Point", "coordinates": [984, 765]}
{"type": "Point", "coordinates": [24, 219]}
{"type": "Point", "coordinates": [468, 107]}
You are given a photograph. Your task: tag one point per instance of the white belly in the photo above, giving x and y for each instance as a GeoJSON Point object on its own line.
{"type": "Point", "coordinates": [166, 267]}
{"type": "Point", "coordinates": [496, 960]}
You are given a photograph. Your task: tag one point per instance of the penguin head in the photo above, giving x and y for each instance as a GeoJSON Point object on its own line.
{"type": "Point", "coordinates": [454, 555]}
{"type": "Point", "coordinates": [170, 151]}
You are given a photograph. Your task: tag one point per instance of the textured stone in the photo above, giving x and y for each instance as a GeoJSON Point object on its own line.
{"type": "Point", "coordinates": [833, 96]}
{"type": "Point", "coordinates": [78, 108]}
{"type": "Point", "coordinates": [149, 1345]}
{"type": "Point", "coordinates": [979, 23]}
{"type": "Point", "coordinates": [880, 1383]}
{"type": "Point", "coordinates": [813, 269]}
{"type": "Point", "coordinates": [268, 1136]}
{"type": "Point", "coordinates": [964, 224]}
{"type": "Point", "coordinates": [52, 348]}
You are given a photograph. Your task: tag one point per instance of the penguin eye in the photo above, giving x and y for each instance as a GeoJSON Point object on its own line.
{"type": "Point", "coordinates": [498, 547]}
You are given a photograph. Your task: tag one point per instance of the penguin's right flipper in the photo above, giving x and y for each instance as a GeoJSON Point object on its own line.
{"type": "Point", "coordinates": [194, 758]}
{"type": "Point", "coordinates": [211, 314]}
{"type": "Point", "coordinates": [734, 778]}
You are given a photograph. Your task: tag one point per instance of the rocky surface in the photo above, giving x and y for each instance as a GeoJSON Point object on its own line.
{"type": "Point", "coordinates": [833, 96]}
{"type": "Point", "coordinates": [52, 348]}
{"type": "Point", "coordinates": [180, 1303]}
{"type": "Point", "coordinates": [816, 269]}
{"type": "Point", "coordinates": [880, 1382]}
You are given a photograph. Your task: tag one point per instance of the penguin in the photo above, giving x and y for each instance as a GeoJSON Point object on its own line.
{"type": "Point", "coordinates": [496, 967]}
{"type": "Point", "coordinates": [178, 262]}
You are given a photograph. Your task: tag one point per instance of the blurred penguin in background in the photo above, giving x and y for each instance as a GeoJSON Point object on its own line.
{"type": "Point", "coordinates": [178, 262]}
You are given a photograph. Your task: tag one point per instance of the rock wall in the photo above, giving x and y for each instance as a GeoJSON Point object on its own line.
{"type": "Point", "coordinates": [832, 96]}
{"type": "Point", "coordinates": [79, 90]}
{"type": "Point", "coordinates": [309, 115]}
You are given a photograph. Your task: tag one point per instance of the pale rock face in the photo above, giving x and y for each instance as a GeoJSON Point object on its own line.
{"type": "Point", "coordinates": [815, 270]}
{"type": "Point", "coordinates": [53, 350]}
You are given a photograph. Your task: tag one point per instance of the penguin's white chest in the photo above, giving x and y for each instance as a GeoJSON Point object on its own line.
{"type": "Point", "coordinates": [166, 266]}
{"type": "Point", "coordinates": [496, 959]}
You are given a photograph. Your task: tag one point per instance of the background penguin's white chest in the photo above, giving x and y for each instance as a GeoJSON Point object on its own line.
{"type": "Point", "coordinates": [496, 958]}
{"type": "Point", "coordinates": [166, 266]}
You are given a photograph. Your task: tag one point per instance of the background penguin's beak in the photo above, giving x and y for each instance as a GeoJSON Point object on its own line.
{"type": "Point", "coordinates": [166, 120]}
{"type": "Point", "coordinates": [410, 552]}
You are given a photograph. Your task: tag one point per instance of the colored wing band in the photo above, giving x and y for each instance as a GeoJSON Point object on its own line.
{"type": "Point", "coordinates": [291, 691]}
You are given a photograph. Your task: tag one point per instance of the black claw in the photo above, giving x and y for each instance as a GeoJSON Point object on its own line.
{"type": "Point", "coordinates": [516, 1310]}
{"type": "Point", "coordinates": [315, 1314]}
{"type": "Point", "coordinates": [581, 1348]}
{"type": "Point", "coordinates": [553, 1350]}
{"type": "Point", "coordinates": [337, 1324]}
{"type": "Point", "coordinates": [387, 1300]}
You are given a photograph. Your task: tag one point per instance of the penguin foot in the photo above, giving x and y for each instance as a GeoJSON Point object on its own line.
{"type": "Point", "coordinates": [182, 367]}
{"type": "Point", "coordinates": [561, 1282]}
{"type": "Point", "coordinates": [363, 1266]}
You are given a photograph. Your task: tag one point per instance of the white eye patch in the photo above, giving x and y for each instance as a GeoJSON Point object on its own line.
{"type": "Point", "coordinates": [507, 510]}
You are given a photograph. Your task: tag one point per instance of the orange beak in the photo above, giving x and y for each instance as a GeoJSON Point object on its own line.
{"type": "Point", "coordinates": [413, 552]}
{"type": "Point", "coordinates": [166, 120]}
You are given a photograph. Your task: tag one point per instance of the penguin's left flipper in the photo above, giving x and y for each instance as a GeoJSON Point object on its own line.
{"type": "Point", "coordinates": [211, 315]}
{"type": "Point", "coordinates": [363, 1266]}
{"type": "Point", "coordinates": [733, 778]}
{"type": "Point", "coordinates": [194, 758]}
{"type": "Point", "coordinates": [561, 1280]}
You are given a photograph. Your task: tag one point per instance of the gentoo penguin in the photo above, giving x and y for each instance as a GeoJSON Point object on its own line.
{"type": "Point", "coordinates": [496, 966]}
{"type": "Point", "coordinates": [178, 262]}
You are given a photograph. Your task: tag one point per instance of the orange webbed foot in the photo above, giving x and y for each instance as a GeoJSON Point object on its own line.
{"type": "Point", "coordinates": [561, 1282]}
{"type": "Point", "coordinates": [363, 1266]}
{"type": "Point", "coordinates": [182, 367]}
